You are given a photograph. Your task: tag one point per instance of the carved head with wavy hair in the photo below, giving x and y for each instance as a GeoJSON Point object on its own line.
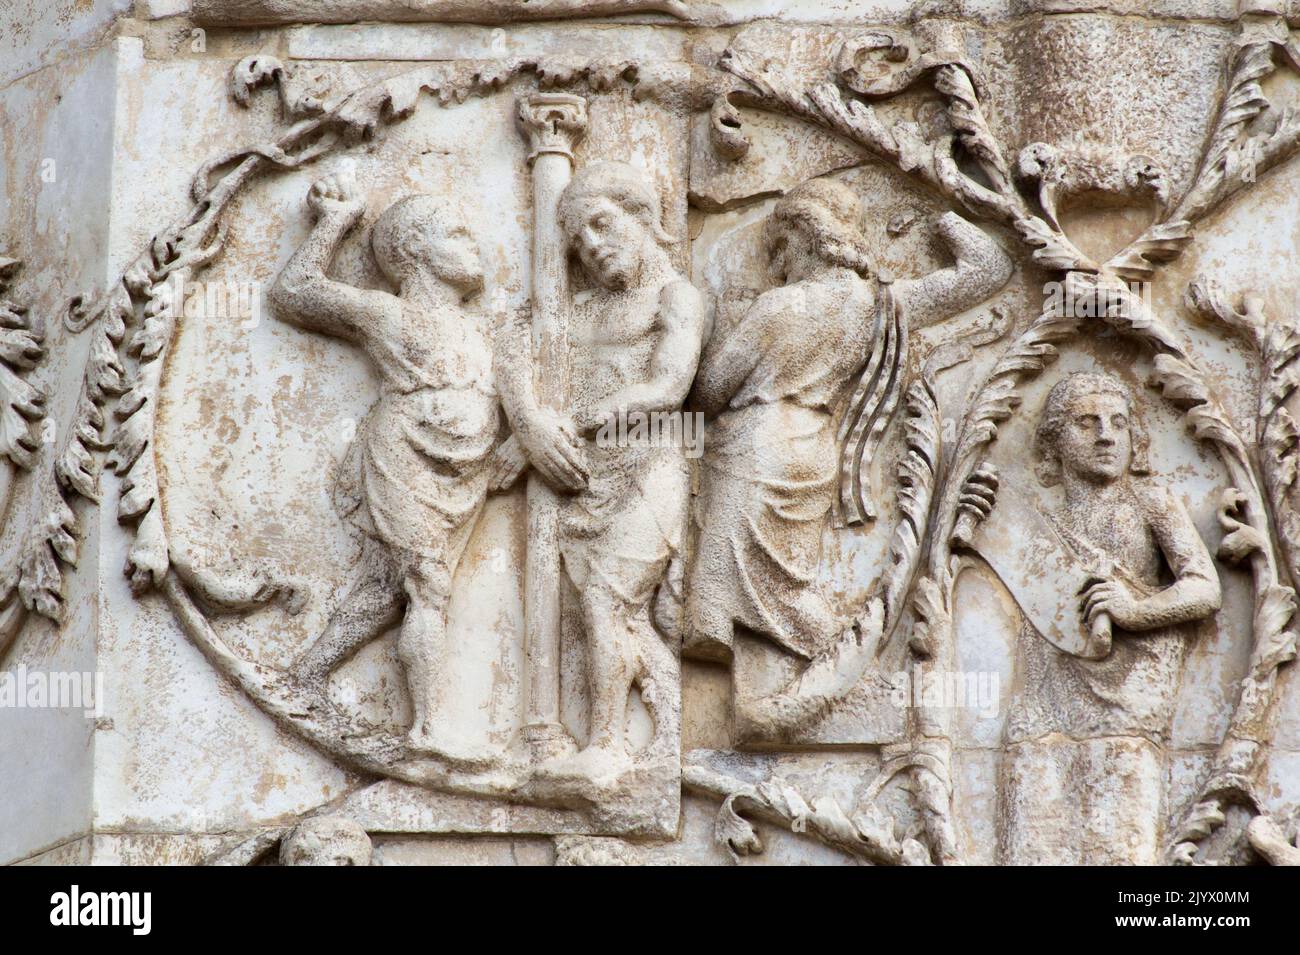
{"type": "Point", "coordinates": [324, 841]}
{"type": "Point", "coordinates": [612, 219]}
{"type": "Point", "coordinates": [420, 236]}
{"type": "Point", "coordinates": [1088, 431]}
{"type": "Point", "coordinates": [816, 224]}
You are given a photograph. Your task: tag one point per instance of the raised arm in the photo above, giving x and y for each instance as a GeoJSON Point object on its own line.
{"type": "Point", "coordinates": [681, 331]}
{"type": "Point", "coordinates": [304, 294]}
{"type": "Point", "coordinates": [981, 269]}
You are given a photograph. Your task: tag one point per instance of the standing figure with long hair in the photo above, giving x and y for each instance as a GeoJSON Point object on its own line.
{"type": "Point", "coordinates": [635, 341]}
{"type": "Point", "coordinates": [771, 387]}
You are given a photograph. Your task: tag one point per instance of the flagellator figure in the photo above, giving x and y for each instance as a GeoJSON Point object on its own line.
{"type": "Point", "coordinates": [422, 454]}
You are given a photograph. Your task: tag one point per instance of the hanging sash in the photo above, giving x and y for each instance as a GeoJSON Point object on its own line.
{"type": "Point", "coordinates": [871, 408]}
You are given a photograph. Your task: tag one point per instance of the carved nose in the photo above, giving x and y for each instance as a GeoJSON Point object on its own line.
{"type": "Point", "coordinates": [593, 242]}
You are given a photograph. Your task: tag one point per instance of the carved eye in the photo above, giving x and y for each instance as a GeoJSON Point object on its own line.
{"type": "Point", "coordinates": [600, 222]}
{"type": "Point", "coordinates": [1119, 421]}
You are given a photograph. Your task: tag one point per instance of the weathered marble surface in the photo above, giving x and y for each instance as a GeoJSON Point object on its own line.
{"type": "Point", "coordinates": [845, 249]}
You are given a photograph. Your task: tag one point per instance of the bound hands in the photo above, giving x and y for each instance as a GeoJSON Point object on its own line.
{"type": "Point", "coordinates": [548, 441]}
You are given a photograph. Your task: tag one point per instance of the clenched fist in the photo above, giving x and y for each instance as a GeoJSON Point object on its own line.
{"type": "Point", "coordinates": [336, 197]}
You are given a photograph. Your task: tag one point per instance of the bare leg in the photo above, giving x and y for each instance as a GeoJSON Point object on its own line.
{"type": "Point", "coordinates": [373, 606]}
{"type": "Point", "coordinates": [422, 649]}
{"type": "Point", "coordinates": [420, 645]}
{"type": "Point", "coordinates": [609, 681]}
{"type": "Point", "coordinates": [609, 669]}
{"type": "Point", "coordinates": [658, 674]}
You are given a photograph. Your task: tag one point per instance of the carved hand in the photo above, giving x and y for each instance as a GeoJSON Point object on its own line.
{"type": "Point", "coordinates": [589, 422]}
{"type": "Point", "coordinates": [554, 449]}
{"type": "Point", "coordinates": [1114, 597]}
{"type": "Point", "coordinates": [335, 197]}
{"type": "Point", "coordinates": [508, 463]}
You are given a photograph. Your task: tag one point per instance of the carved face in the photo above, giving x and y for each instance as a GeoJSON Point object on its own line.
{"type": "Point", "coordinates": [792, 254]}
{"type": "Point", "coordinates": [416, 235]}
{"type": "Point", "coordinates": [1096, 443]}
{"type": "Point", "coordinates": [455, 259]}
{"type": "Point", "coordinates": [608, 241]}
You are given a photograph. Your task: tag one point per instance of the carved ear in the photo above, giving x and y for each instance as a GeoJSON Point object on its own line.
{"type": "Point", "coordinates": [1048, 470]}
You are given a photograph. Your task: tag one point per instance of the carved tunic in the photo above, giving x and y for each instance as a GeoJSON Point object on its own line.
{"type": "Point", "coordinates": [421, 452]}
{"type": "Point", "coordinates": [1131, 691]}
{"type": "Point", "coordinates": [771, 466]}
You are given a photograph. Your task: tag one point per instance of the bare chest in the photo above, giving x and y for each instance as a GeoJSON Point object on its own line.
{"type": "Point", "coordinates": [613, 340]}
{"type": "Point", "coordinates": [1120, 533]}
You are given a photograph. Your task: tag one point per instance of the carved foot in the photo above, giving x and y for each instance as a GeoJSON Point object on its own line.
{"type": "Point", "coordinates": [601, 766]}
{"type": "Point", "coordinates": [451, 747]}
{"type": "Point", "coordinates": [827, 679]}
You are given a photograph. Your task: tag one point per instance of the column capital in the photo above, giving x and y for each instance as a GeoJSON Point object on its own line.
{"type": "Point", "coordinates": [552, 122]}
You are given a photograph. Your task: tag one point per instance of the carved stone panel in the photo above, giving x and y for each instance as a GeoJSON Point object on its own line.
{"type": "Point", "coordinates": [642, 431]}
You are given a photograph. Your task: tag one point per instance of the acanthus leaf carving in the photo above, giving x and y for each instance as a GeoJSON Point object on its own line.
{"type": "Point", "coordinates": [866, 832]}
{"type": "Point", "coordinates": [22, 404]}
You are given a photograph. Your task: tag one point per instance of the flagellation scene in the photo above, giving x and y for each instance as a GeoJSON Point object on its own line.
{"type": "Point", "coordinates": [649, 432]}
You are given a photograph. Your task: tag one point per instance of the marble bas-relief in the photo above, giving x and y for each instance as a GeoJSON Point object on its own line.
{"type": "Point", "coordinates": [790, 358]}
{"type": "Point", "coordinates": [769, 386]}
{"type": "Point", "coordinates": [658, 438]}
{"type": "Point", "coordinates": [424, 448]}
{"type": "Point", "coordinates": [1084, 764]}
{"type": "Point", "coordinates": [635, 342]}
{"type": "Point", "coordinates": [326, 841]}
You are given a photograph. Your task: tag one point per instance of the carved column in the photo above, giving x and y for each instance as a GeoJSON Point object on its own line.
{"type": "Point", "coordinates": [552, 123]}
